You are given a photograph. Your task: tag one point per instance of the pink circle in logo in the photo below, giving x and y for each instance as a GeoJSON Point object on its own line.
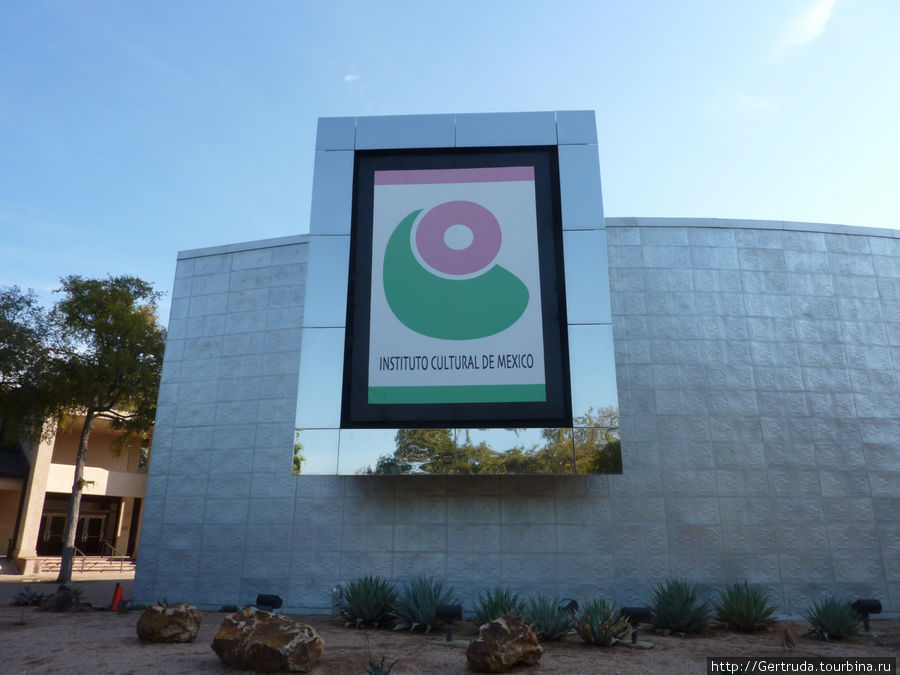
{"type": "Point", "coordinates": [486, 237]}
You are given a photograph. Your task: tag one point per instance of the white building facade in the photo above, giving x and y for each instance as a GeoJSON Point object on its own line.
{"type": "Point", "coordinates": [758, 376]}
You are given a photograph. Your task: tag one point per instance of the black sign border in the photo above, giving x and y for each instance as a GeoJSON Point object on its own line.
{"type": "Point", "coordinates": [556, 411]}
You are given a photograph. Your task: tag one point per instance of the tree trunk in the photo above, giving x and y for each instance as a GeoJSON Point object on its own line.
{"type": "Point", "coordinates": [68, 556]}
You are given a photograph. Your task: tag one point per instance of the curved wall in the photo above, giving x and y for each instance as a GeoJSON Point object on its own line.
{"type": "Point", "coordinates": [758, 368]}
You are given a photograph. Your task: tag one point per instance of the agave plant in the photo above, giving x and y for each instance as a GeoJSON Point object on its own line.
{"type": "Point", "coordinates": [831, 619]}
{"type": "Point", "coordinates": [497, 602]}
{"type": "Point", "coordinates": [744, 608]}
{"type": "Point", "coordinates": [380, 668]}
{"type": "Point", "coordinates": [27, 597]}
{"type": "Point", "coordinates": [367, 601]}
{"type": "Point", "coordinates": [547, 618]}
{"type": "Point", "coordinates": [598, 623]}
{"type": "Point", "coordinates": [416, 606]}
{"type": "Point", "coordinates": [676, 607]}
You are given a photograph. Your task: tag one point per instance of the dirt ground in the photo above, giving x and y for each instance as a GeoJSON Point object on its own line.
{"type": "Point", "coordinates": [32, 641]}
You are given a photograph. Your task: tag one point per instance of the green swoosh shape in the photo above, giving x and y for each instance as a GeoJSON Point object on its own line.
{"type": "Point", "coordinates": [450, 309]}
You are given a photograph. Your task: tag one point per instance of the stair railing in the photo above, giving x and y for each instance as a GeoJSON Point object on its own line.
{"type": "Point", "coordinates": [79, 552]}
{"type": "Point", "coordinates": [115, 554]}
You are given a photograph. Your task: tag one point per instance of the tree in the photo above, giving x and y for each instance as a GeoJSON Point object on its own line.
{"type": "Point", "coordinates": [101, 358]}
{"type": "Point", "coordinates": [25, 357]}
{"type": "Point", "coordinates": [112, 370]}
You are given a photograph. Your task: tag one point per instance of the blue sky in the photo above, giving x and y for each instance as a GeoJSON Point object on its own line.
{"type": "Point", "coordinates": [130, 131]}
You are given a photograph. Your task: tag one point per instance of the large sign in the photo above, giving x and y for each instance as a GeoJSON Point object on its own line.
{"type": "Point", "coordinates": [456, 314]}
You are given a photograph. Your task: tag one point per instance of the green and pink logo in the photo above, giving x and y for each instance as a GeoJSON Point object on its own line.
{"type": "Point", "coordinates": [440, 274]}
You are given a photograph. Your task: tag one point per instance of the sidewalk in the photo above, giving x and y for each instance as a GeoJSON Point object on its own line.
{"type": "Point", "coordinates": [97, 587]}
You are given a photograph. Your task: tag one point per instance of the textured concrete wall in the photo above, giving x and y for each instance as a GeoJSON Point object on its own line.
{"type": "Point", "coordinates": [758, 379]}
{"type": "Point", "coordinates": [758, 382]}
{"type": "Point", "coordinates": [215, 522]}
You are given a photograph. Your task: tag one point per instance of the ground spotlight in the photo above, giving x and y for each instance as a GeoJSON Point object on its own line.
{"type": "Point", "coordinates": [636, 616]}
{"type": "Point", "coordinates": [268, 602]}
{"type": "Point", "coordinates": [448, 613]}
{"type": "Point", "coordinates": [864, 607]}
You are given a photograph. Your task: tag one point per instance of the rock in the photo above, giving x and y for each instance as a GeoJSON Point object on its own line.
{"type": "Point", "coordinates": [256, 640]}
{"type": "Point", "coordinates": [502, 644]}
{"type": "Point", "coordinates": [165, 623]}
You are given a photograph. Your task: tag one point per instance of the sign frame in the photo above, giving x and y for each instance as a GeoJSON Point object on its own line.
{"type": "Point", "coordinates": [556, 410]}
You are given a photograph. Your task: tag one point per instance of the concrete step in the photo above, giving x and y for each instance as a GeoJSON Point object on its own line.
{"type": "Point", "coordinates": [52, 564]}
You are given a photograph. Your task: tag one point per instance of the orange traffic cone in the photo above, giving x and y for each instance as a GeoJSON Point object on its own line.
{"type": "Point", "coordinates": [117, 598]}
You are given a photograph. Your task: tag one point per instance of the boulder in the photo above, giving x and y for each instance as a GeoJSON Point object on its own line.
{"type": "Point", "coordinates": [169, 623]}
{"type": "Point", "coordinates": [502, 644]}
{"type": "Point", "coordinates": [253, 639]}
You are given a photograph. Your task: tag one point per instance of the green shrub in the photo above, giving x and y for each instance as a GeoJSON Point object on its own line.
{"type": "Point", "coordinates": [367, 601]}
{"type": "Point", "coordinates": [376, 668]}
{"type": "Point", "coordinates": [744, 608]}
{"type": "Point", "coordinates": [497, 602]}
{"type": "Point", "coordinates": [416, 606]}
{"type": "Point", "coordinates": [832, 620]}
{"type": "Point", "coordinates": [598, 623]}
{"type": "Point", "coordinates": [547, 619]}
{"type": "Point", "coordinates": [676, 607]}
{"type": "Point", "coordinates": [27, 598]}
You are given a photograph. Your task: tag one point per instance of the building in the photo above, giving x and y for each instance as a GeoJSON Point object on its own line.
{"type": "Point", "coordinates": [758, 376]}
{"type": "Point", "coordinates": [34, 502]}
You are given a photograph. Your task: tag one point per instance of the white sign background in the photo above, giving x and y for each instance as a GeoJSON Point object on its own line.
{"type": "Point", "coordinates": [513, 204]}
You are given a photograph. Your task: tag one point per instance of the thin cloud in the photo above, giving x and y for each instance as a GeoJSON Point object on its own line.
{"type": "Point", "coordinates": [351, 77]}
{"type": "Point", "coordinates": [809, 25]}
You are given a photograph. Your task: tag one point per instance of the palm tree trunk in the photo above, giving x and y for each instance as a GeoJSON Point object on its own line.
{"type": "Point", "coordinates": [68, 556]}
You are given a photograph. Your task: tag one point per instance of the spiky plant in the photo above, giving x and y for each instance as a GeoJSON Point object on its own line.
{"type": "Point", "coordinates": [78, 597]}
{"type": "Point", "coordinates": [27, 597]}
{"type": "Point", "coordinates": [831, 619]}
{"type": "Point", "coordinates": [676, 607]}
{"type": "Point", "coordinates": [744, 608]}
{"type": "Point", "coordinates": [367, 601]}
{"type": "Point", "coordinates": [416, 605]}
{"type": "Point", "coordinates": [376, 668]}
{"type": "Point", "coordinates": [547, 619]}
{"type": "Point", "coordinates": [598, 623]}
{"type": "Point", "coordinates": [496, 602]}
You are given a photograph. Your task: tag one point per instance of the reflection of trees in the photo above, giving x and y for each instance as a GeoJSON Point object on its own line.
{"type": "Point", "coordinates": [597, 445]}
{"type": "Point", "coordinates": [297, 466]}
{"type": "Point", "coordinates": [594, 442]}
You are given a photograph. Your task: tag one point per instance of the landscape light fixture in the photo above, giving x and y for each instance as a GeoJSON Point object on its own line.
{"type": "Point", "coordinates": [637, 616]}
{"type": "Point", "coordinates": [268, 602]}
{"type": "Point", "coordinates": [864, 607]}
{"type": "Point", "coordinates": [337, 599]}
{"type": "Point", "coordinates": [448, 613]}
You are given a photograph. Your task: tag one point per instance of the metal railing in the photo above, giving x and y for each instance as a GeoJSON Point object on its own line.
{"type": "Point", "coordinates": [115, 554]}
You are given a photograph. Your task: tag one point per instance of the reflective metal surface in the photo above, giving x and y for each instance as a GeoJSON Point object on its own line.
{"type": "Point", "coordinates": [579, 187]}
{"type": "Point", "coordinates": [593, 372]}
{"type": "Point", "coordinates": [332, 192]}
{"type": "Point", "coordinates": [361, 450]}
{"type": "Point", "coordinates": [411, 452]}
{"type": "Point", "coordinates": [318, 449]}
{"type": "Point", "coordinates": [326, 282]}
{"type": "Point", "coordinates": [321, 378]}
{"type": "Point", "coordinates": [591, 445]}
{"type": "Point", "coordinates": [587, 276]}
